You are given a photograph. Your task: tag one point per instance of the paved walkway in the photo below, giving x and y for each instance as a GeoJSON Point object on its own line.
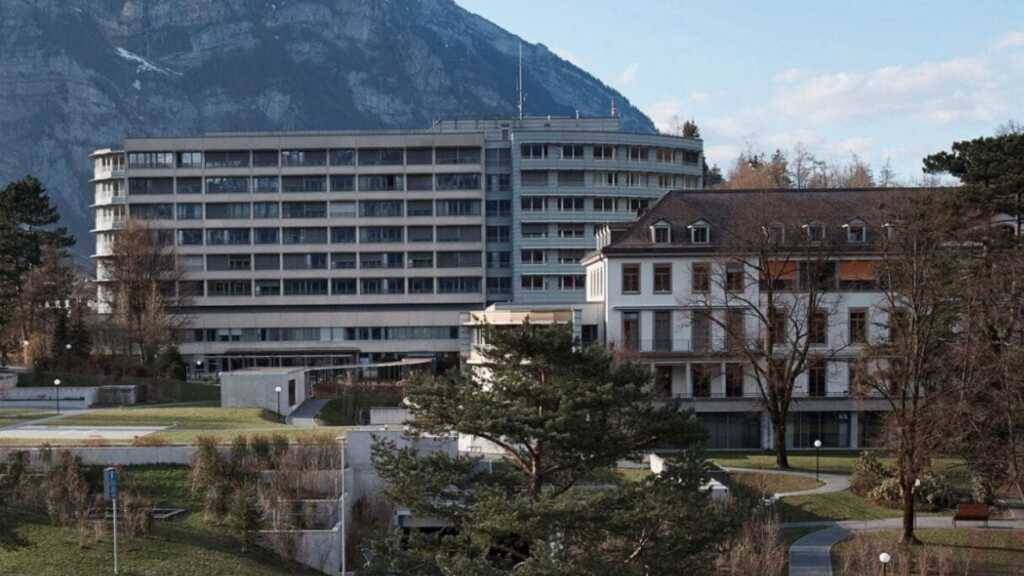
{"type": "Point", "coordinates": [41, 421]}
{"type": "Point", "coordinates": [305, 414]}
{"type": "Point", "coordinates": [832, 482]}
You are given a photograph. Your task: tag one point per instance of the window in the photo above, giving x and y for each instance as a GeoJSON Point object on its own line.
{"type": "Point", "coordinates": [191, 288]}
{"type": "Point", "coordinates": [533, 151]}
{"type": "Point", "coordinates": [571, 282]}
{"type": "Point", "coordinates": [817, 275]}
{"type": "Point", "coordinates": [534, 178]}
{"type": "Point", "coordinates": [570, 178]}
{"type": "Point", "coordinates": [701, 279]}
{"type": "Point", "coordinates": [663, 278]}
{"type": "Point", "coordinates": [630, 278]}
{"type": "Point", "coordinates": [228, 288]}
{"type": "Point", "coordinates": [606, 179]}
{"type": "Point", "coordinates": [661, 234]}
{"type": "Point", "coordinates": [342, 156]}
{"type": "Point", "coordinates": [421, 259]}
{"type": "Point", "coordinates": [382, 260]}
{"type": "Point", "coordinates": [532, 282]}
{"type": "Point", "coordinates": [189, 185]}
{"type": "Point", "coordinates": [604, 204]}
{"type": "Point", "coordinates": [899, 325]}
{"type": "Point", "coordinates": [468, 181]}
{"type": "Point", "coordinates": [604, 152]}
{"type": "Point", "coordinates": [292, 184]}
{"type": "Point", "coordinates": [343, 260]}
{"type": "Point", "coordinates": [145, 186]}
{"type": "Point", "coordinates": [310, 261]}
{"type": "Point", "coordinates": [534, 230]}
{"type": "Point", "coordinates": [776, 233]}
{"type": "Point", "coordinates": [700, 330]}
{"type": "Point", "coordinates": [663, 381]}
{"type": "Point", "coordinates": [421, 234]}
{"type": "Point", "coordinates": [458, 207]}
{"type": "Point", "coordinates": [340, 286]}
{"type": "Point", "coordinates": [571, 230]}
{"type": "Point", "coordinates": [817, 328]}
{"type": "Point", "coordinates": [342, 209]}
{"type": "Point", "coordinates": [264, 158]}
{"type": "Point", "coordinates": [382, 286]}
{"type": "Point", "coordinates": [343, 235]}
{"type": "Point", "coordinates": [701, 376]}
{"type": "Point", "coordinates": [735, 329]}
{"type": "Point", "coordinates": [305, 287]}
{"type": "Point", "coordinates": [637, 154]}
{"type": "Point", "coordinates": [191, 263]}
{"type": "Point", "coordinates": [856, 232]}
{"type": "Point", "coordinates": [499, 233]}
{"type": "Point", "coordinates": [570, 204]}
{"type": "Point", "coordinates": [374, 234]}
{"type": "Point", "coordinates": [570, 256]}
{"type": "Point", "coordinates": [499, 157]}
{"type": "Point", "coordinates": [421, 285]}
{"type": "Point", "coordinates": [815, 231]}
{"type": "Point", "coordinates": [304, 235]}
{"type": "Point", "coordinates": [777, 320]}
{"type": "Point", "coordinates": [228, 211]}
{"type": "Point", "coordinates": [227, 185]}
{"type": "Point", "coordinates": [817, 378]}
{"type": "Point", "coordinates": [458, 259]}
{"type": "Point", "coordinates": [531, 256]}
{"type": "Point", "coordinates": [532, 203]}
{"type": "Point", "coordinates": [857, 275]}
{"type": "Point", "coordinates": [572, 152]}
{"type": "Point", "coordinates": [189, 237]}
{"type": "Point", "coordinates": [304, 209]}
{"type": "Point", "coordinates": [499, 182]}
{"type": "Point", "coordinates": [227, 236]}
{"type": "Point", "coordinates": [458, 233]}
{"type": "Point", "coordinates": [735, 281]}
{"type": "Point", "coordinates": [343, 183]}
{"type": "Point", "coordinates": [190, 211]}
{"type": "Point", "coordinates": [380, 182]}
{"type": "Point", "coordinates": [663, 331]}
{"type": "Point", "coordinates": [268, 287]}
{"type": "Point", "coordinates": [267, 262]}
{"type": "Point", "coordinates": [699, 234]}
{"type": "Point", "coordinates": [419, 182]}
{"type": "Point", "coordinates": [151, 160]}
{"type": "Point", "coordinates": [458, 285]}
{"type": "Point", "coordinates": [499, 285]}
{"type": "Point", "coordinates": [499, 259]}
{"type": "Point", "coordinates": [227, 159]}
{"type": "Point", "coordinates": [419, 208]}
{"type": "Point", "coordinates": [499, 208]}
{"type": "Point", "coordinates": [303, 157]}
{"type": "Point", "coordinates": [266, 210]}
{"type": "Point", "coordinates": [631, 331]}
{"type": "Point", "coordinates": [190, 159]}
{"type": "Point", "coordinates": [734, 375]}
{"type": "Point", "coordinates": [266, 235]}
{"type": "Point", "coordinates": [858, 326]}
{"type": "Point", "coordinates": [458, 155]}
{"type": "Point", "coordinates": [380, 208]}
{"type": "Point", "coordinates": [638, 205]}
{"type": "Point", "coordinates": [419, 156]}
{"type": "Point", "coordinates": [265, 185]}
{"type": "Point", "coordinates": [231, 262]}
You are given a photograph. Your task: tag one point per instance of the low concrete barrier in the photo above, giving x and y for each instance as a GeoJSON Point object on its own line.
{"type": "Point", "coordinates": [114, 455]}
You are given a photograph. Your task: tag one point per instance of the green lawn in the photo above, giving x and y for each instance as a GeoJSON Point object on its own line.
{"type": "Point", "coordinates": [968, 550]}
{"type": "Point", "coordinates": [185, 547]}
{"type": "Point", "coordinates": [10, 416]}
{"type": "Point", "coordinates": [187, 421]}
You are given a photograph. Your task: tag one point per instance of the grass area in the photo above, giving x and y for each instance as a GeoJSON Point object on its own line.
{"type": "Point", "coordinates": [10, 416]}
{"type": "Point", "coordinates": [186, 421]}
{"type": "Point", "coordinates": [831, 462]}
{"type": "Point", "coordinates": [774, 483]}
{"type": "Point", "coordinates": [186, 547]}
{"type": "Point", "coordinates": [970, 550]}
{"type": "Point", "coordinates": [843, 505]}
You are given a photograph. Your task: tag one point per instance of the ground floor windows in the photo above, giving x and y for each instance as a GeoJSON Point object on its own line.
{"type": "Point", "coordinates": [739, 430]}
{"type": "Point", "coordinates": [832, 428]}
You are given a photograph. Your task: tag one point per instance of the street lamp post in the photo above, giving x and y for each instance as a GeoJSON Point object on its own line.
{"type": "Point", "coordinates": [817, 460]}
{"type": "Point", "coordinates": [199, 367]}
{"type": "Point", "coordinates": [56, 383]}
{"type": "Point", "coordinates": [884, 558]}
{"type": "Point", "coordinates": [278, 390]}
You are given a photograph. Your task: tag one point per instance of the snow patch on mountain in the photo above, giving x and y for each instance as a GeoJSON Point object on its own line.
{"type": "Point", "coordinates": [143, 64]}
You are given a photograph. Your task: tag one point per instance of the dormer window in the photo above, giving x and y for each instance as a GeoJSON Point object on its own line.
{"type": "Point", "coordinates": [661, 233]}
{"type": "Point", "coordinates": [856, 232]}
{"type": "Point", "coordinates": [775, 233]}
{"type": "Point", "coordinates": [699, 233]}
{"type": "Point", "coordinates": [815, 231]}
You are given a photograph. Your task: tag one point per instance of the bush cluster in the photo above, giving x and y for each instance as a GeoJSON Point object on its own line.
{"type": "Point", "coordinates": [876, 482]}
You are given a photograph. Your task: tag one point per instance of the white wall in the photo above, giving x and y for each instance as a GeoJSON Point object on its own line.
{"type": "Point", "coordinates": [255, 389]}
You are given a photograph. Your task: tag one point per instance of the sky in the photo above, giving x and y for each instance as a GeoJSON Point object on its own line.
{"type": "Point", "coordinates": [888, 80]}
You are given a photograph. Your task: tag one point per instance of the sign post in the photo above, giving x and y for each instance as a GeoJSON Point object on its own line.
{"type": "Point", "coordinates": [110, 494]}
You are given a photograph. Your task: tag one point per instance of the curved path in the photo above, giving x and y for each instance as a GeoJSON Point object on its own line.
{"type": "Point", "coordinates": [832, 482]}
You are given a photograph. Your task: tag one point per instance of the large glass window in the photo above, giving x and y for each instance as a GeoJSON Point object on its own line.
{"type": "Point", "coordinates": [190, 159]}
{"type": "Point", "coordinates": [267, 262]}
{"type": "Point", "coordinates": [227, 185]}
{"type": "Point", "coordinates": [343, 209]}
{"type": "Point", "coordinates": [192, 211]}
{"type": "Point", "coordinates": [419, 182]}
{"type": "Point", "coordinates": [466, 259]}
{"type": "Point", "coordinates": [421, 285]}
{"type": "Point", "coordinates": [303, 183]}
{"type": "Point", "coordinates": [832, 428]}
{"type": "Point", "coordinates": [227, 236]}
{"type": "Point", "coordinates": [295, 235]}
{"type": "Point", "coordinates": [152, 211]}
{"type": "Point", "coordinates": [343, 286]}
{"type": "Point", "coordinates": [420, 208]}
{"type": "Point", "coordinates": [304, 209]}
{"type": "Point", "coordinates": [732, 430]}
{"type": "Point", "coordinates": [266, 210]}
{"type": "Point", "coordinates": [380, 208]}
{"type": "Point", "coordinates": [228, 262]}
{"type": "Point", "coordinates": [303, 157]}
{"type": "Point", "coordinates": [141, 186]}
{"type": "Point", "coordinates": [458, 285]}
{"type": "Point", "coordinates": [190, 185]}
{"type": "Point", "coordinates": [269, 287]}
{"type": "Point", "coordinates": [419, 156]}
{"type": "Point", "coordinates": [227, 158]}
{"type": "Point", "coordinates": [380, 182]}
{"type": "Point", "coordinates": [631, 331]}
{"type": "Point", "coordinates": [343, 260]}
{"type": "Point", "coordinates": [380, 156]}
{"type": "Point", "coordinates": [151, 159]}
{"type": "Point", "coordinates": [382, 286]}
{"type": "Point", "coordinates": [374, 234]}
{"type": "Point", "coordinates": [228, 288]}
{"type": "Point", "coordinates": [458, 207]}
{"type": "Point", "coordinates": [663, 330]}
{"type": "Point", "coordinates": [663, 278]}
{"type": "Point", "coordinates": [458, 155]}
{"type": "Point", "coordinates": [421, 233]}
{"type": "Point", "coordinates": [265, 185]}
{"type": "Point", "coordinates": [190, 237]}
{"type": "Point", "coordinates": [343, 156]}
{"type": "Point", "coordinates": [343, 183]}
{"type": "Point", "coordinates": [630, 278]}
{"type": "Point", "coordinates": [264, 158]}
{"type": "Point", "coordinates": [457, 181]}
{"type": "Point", "coordinates": [458, 233]}
{"type": "Point", "coordinates": [308, 261]}
{"type": "Point", "coordinates": [305, 286]}
{"type": "Point", "coordinates": [817, 378]}
{"type": "Point", "coordinates": [266, 235]}
{"type": "Point", "coordinates": [228, 210]}
{"type": "Point", "coordinates": [499, 233]}
{"type": "Point", "coordinates": [343, 235]}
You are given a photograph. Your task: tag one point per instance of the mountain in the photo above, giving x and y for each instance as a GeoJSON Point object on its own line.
{"type": "Point", "coordinates": [76, 75]}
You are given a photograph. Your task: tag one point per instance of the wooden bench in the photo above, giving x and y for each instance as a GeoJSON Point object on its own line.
{"type": "Point", "coordinates": [972, 511]}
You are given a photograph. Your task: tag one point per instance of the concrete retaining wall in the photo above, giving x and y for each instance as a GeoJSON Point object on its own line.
{"type": "Point", "coordinates": [116, 455]}
{"type": "Point", "coordinates": [71, 397]}
{"type": "Point", "coordinates": [8, 381]}
{"type": "Point", "coordinates": [388, 416]}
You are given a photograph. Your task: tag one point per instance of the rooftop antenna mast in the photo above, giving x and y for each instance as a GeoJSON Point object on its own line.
{"type": "Point", "coordinates": [519, 84]}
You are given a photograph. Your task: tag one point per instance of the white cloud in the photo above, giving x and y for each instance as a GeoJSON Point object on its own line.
{"type": "Point", "coordinates": [664, 113]}
{"type": "Point", "coordinates": [628, 75]}
{"type": "Point", "coordinates": [789, 75]}
{"type": "Point", "coordinates": [1011, 40]}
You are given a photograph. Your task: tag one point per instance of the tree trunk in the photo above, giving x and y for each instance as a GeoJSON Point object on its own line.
{"type": "Point", "coordinates": [781, 456]}
{"type": "Point", "coordinates": [908, 512]}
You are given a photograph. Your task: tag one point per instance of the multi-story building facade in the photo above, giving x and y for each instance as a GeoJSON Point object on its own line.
{"type": "Point", "coordinates": [673, 293]}
{"type": "Point", "coordinates": [324, 248]}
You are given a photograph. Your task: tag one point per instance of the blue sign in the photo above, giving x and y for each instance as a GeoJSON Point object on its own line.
{"type": "Point", "coordinates": [109, 483]}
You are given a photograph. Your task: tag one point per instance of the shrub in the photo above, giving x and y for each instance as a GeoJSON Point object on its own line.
{"type": "Point", "coordinates": [207, 467]}
{"type": "Point", "coordinates": [244, 514]}
{"type": "Point", "coordinates": [887, 493]}
{"type": "Point", "coordinates": [149, 440]}
{"type": "Point", "coordinates": [260, 446]}
{"type": "Point", "coordinates": [758, 549]}
{"type": "Point", "coordinates": [868, 474]}
{"type": "Point", "coordinates": [936, 491]}
{"type": "Point", "coordinates": [136, 518]}
{"type": "Point", "coordinates": [279, 446]}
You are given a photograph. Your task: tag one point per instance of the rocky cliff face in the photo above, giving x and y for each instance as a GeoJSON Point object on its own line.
{"type": "Point", "coordinates": [76, 75]}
